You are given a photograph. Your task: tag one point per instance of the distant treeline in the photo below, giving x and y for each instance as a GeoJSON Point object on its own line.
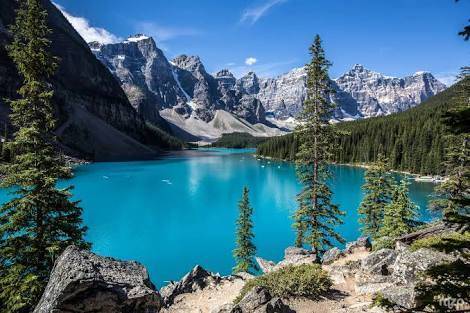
{"type": "Point", "coordinates": [239, 141]}
{"type": "Point", "coordinates": [413, 140]}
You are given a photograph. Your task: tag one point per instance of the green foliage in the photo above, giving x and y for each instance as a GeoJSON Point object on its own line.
{"type": "Point", "coordinates": [162, 139]}
{"type": "Point", "coordinates": [316, 217]}
{"type": "Point", "coordinates": [413, 140]}
{"type": "Point", "coordinates": [447, 242]}
{"type": "Point", "coordinates": [380, 301]}
{"type": "Point", "coordinates": [378, 192]}
{"type": "Point", "coordinates": [306, 280]}
{"type": "Point", "coordinates": [245, 251]}
{"type": "Point", "coordinates": [40, 221]}
{"type": "Point", "coordinates": [239, 141]}
{"type": "Point", "coordinates": [453, 196]}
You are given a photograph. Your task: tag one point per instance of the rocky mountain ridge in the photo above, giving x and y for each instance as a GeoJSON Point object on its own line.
{"type": "Point", "coordinates": [359, 93]}
{"type": "Point", "coordinates": [183, 87]}
{"type": "Point", "coordinates": [95, 119]}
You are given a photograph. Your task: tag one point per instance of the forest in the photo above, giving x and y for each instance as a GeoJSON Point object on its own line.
{"type": "Point", "coordinates": [413, 141]}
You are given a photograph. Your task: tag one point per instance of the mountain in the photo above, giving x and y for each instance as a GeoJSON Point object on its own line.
{"type": "Point", "coordinates": [190, 99]}
{"type": "Point", "coordinates": [196, 104]}
{"type": "Point", "coordinates": [413, 140]}
{"type": "Point", "coordinates": [359, 93]}
{"type": "Point", "coordinates": [95, 118]}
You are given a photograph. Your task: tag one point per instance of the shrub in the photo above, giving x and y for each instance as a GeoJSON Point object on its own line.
{"type": "Point", "coordinates": [307, 280]}
{"type": "Point", "coordinates": [448, 242]}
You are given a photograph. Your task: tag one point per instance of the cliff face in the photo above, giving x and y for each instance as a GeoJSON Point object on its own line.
{"type": "Point", "coordinates": [359, 93]}
{"type": "Point", "coordinates": [95, 117]}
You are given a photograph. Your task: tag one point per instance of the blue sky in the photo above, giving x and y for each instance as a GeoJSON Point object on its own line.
{"type": "Point", "coordinates": [271, 37]}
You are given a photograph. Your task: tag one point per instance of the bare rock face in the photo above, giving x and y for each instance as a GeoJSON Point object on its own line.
{"type": "Point", "coordinates": [331, 255]}
{"type": "Point", "coordinates": [359, 93]}
{"type": "Point", "coordinates": [259, 300]}
{"type": "Point", "coordinates": [197, 279]}
{"type": "Point", "coordinates": [361, 244]}
{"type": "Point", "coordinates": [292, 256]}
{"type": "Point", "coordinates": [95, 118]}
{"type": "Point", "coordinates": [83, 282]}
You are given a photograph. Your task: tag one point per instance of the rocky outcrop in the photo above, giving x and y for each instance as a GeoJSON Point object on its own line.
{"type": "Point", "coordinates": [331, 255]}
{"type": "Point", "coordinates": [195, 280]}
{"type": "Point", "coordinates": [361, 244]}
{"type": "Point", "coordinates": [83, 282]}
{"type": "Point", "coordinates": [92, 109]}
{"type": "Point", "coordinates": [292, 256]}
{"type": "Point", "coordinates": [359, 93]}
{"type": "Point", "coordinates": [259, 300]}
{"type": "Point", "coordinates": [144, 73]}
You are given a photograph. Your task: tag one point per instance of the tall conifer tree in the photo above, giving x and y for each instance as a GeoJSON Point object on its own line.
{"type": "Point", "coordinates": [316, 216]}
{"type": "Point", "coordinates": [245, 251]}
{"type": "Point", "coordinates": [40, 221]}
{"type": "Point", "coordinates": [400, 214]}
{"type": "Point", "coordinates": [454, 193]}
{"type": "Point", "coordinates": [378, 191]}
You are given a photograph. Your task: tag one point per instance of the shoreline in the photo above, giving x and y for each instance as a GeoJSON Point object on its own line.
{"type": "Point", "coordinates": [435, 179]}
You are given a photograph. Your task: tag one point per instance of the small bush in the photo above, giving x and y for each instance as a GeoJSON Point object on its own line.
{"type": "Point", "coordinates": [307, 280]}
{"type": "Point", "coordinates": [446, 242]}
{"type": "Point", "coordinates": [383, 243]}
{"type": "Point", "coordinates": [380, 301]}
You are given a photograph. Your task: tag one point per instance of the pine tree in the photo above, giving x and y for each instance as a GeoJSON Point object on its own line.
{"type": "Point", "coordinates": [40, 221]}
{"type": "Point", "coordinates": [316, 216]}
{"type": "Point", "coordinates": [378, 191]}
{"type": "Point", "coordinates": [454, 194]}
{"type": "Point", "coordinates": [400, 214]}
{"type": "Point", "coordinates": [245, 251]}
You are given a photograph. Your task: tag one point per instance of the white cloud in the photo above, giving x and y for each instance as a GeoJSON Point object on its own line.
{"type": "Point", "coordinates": [250, 61]}
{"type": "Point", "coordinates": [163, 33]}
{"type": "Point", "coordinates": [88, 32]}
{"type": "Point", "coordinates": [252, 15]}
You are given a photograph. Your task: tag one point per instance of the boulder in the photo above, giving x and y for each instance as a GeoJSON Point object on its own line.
{"type": "Point", "coordinates": [403, 296]}
{"type": "Point", "coordinates": [297, 256]}
{"type": "Point", "coordinates": [265, 265]}
{"type": "Point", "coordinates": [361, 244]}
{"type": "Point", "coordinates": [195, 280]}
{"type": "Point", "coordinates": [408, 264]}
{"type": "Point", "coordinates": [379, 262]}
{"type": "Point", "coordinates": [83, 282]}
{"type": "Point", "coordinates": [259, 300]}
{"type": "Point", "coordinates": [331, 255]}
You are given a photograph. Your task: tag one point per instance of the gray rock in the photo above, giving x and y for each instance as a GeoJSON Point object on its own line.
{"type": "Point", "coordinates": [95, 119]}
{"type": "Point", "coordinates": [359, 93]}
{"type": "Point", "coordinates": [195, 280]}
{"type": "Point", "coordinates": [259, 300]}
{"type": "Point", "coordinates": [297, 256]}
{"type": "Point", "coordinates": [404, 296]}
{"type": "Point", "coordinates": [409, 264]}
{"type": "Point", "coordinates": [331, 255]}
{"type": "Point", "coordinates": [265, 265]}
{"type": "Point", "coordinates": [84, 282]}
{"type": "Point", "coordinates": [361, 244]}
{"type": "Point", "coordinates": [379, 262]}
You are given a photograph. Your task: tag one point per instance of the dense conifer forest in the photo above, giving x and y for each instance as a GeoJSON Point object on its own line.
{"type": "Point", "coordinates": [413, 140]}
{"type": "Point", "coordinates": [238, 141]}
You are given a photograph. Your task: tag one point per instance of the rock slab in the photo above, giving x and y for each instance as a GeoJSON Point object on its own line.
{"type": "Point", "coordinates": [82, 282]}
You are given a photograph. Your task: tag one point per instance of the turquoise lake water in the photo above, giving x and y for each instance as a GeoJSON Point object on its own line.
{"type": "Point", "coordinates": [174, 213]}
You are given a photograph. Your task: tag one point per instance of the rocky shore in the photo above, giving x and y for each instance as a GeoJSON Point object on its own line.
{"type": "Point", "coordinates": [84, 282]}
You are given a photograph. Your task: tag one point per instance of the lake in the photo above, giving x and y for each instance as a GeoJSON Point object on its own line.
{"type": "Point", "coordinates": [174, 213]}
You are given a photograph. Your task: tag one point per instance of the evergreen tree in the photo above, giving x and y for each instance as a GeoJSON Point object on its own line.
{"type": "Point", "coordinates": [378, 191]}
{"type": "Point", "coordinates": [454, 194]}
{"type": "Point", "coordinates": [40, 221]}
{"type": "Point", "coordinates": [400, 214]}
{"type": "Point", "coordinates": [316, 216]}
{"type": "Point", "coordinates": [245, 251]}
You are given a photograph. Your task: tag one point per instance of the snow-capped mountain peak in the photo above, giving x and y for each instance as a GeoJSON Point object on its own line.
{"type": "Point", "coordinates": [137, 38]}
